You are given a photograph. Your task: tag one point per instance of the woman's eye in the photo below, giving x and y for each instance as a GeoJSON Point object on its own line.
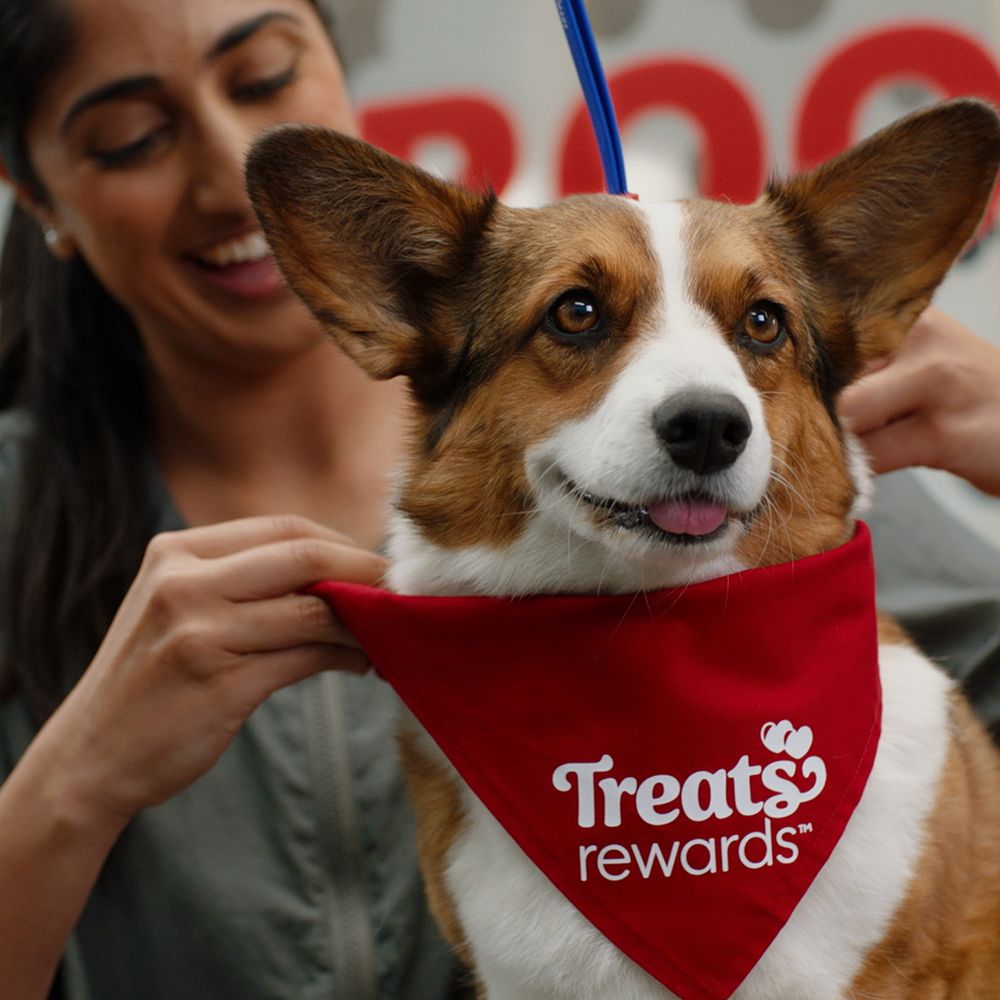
{"type": "Point", "coordinates": [574, 314]}
{"type": "Point", "coordinates": [129, 154]}
{"type": "Point", "coordinates": [264, 88]}
{"type": "Point", "coordinates": [763, 326]}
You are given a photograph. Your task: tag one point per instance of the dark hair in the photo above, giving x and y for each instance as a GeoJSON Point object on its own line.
{"type": "Point", "coordinates": [70, 360]}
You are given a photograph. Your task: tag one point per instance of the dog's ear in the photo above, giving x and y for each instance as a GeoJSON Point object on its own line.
{"type": "Point", "coordinates": [370, 243]}
{"type": "Point", "coordinates": [883, 222]}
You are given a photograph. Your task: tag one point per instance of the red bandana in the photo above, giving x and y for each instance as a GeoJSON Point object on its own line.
{"type": "Point", "coordinates": [680, 764]}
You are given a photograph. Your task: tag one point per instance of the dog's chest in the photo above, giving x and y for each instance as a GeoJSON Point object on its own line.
{"type": "Point", "coordinates": [529, 943]}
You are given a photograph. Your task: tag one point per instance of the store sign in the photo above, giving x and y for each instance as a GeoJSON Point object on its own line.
{"type": "Point", "coordinates": [729, 117]}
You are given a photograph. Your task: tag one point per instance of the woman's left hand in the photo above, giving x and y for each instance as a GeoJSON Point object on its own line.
{"type": "Point", "coordinates": [935, 403]}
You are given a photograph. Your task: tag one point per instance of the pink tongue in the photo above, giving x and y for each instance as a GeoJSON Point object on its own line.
{"type": "Point", "coordinates": [687, 517]}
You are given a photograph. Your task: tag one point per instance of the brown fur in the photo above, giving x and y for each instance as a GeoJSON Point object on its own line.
{"type": "Point", "coordinates": [882, 230]}
{"type": "Point", "coordinates": [891, 633]}
{"type": "Point", "coordinates": [470, 488]}
{"type": "Point", "coordinates": [437, 802]}
{"type": "Point", "coordinates": [945, 939]}
{"type": "Point", "coordinates": [435, 796]}
{"type": "Point", "coordinates": [736, 260]}
{"type": "Point", "coordinates": [944, 943]}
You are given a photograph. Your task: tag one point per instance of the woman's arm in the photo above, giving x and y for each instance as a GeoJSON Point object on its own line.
{"type": "Point", "coordinates": [212, 625]}
{"type": "Point", "coordinates": [935, 403]}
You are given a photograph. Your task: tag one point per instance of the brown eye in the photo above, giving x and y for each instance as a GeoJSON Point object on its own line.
{"type": "Point", "coordinates": [574, 314]}
{"type": "Point", "coordinates": [763, 326]}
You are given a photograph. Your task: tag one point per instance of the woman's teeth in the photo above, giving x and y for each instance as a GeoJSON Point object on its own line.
{"type": "Point", "coordinates": [245, 250]}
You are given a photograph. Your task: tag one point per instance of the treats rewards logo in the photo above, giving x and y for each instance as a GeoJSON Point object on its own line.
{"type": "Point", "coordinates": [769, 788]}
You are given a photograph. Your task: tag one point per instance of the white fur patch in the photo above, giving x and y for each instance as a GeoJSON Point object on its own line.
{"type": "Point", "coordinates": [548, 557]}
{"type": "Point", "coordinates": [861, 475]}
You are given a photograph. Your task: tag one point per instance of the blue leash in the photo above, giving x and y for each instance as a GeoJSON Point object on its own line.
{"type": "Point", "coordinates": [583, 48]}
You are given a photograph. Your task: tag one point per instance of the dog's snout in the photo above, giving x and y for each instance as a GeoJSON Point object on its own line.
{"type": "Point", "coordinates": [702, 430]}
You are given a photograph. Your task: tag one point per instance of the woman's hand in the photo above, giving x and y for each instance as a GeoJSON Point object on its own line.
{"type": "Point", "coordinates": [213, 623]}
{"type": "Point", "coordinates": [935, 403]}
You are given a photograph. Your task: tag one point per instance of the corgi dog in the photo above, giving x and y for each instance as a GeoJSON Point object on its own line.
{"type": "Point", "coordinates": [613, 396]}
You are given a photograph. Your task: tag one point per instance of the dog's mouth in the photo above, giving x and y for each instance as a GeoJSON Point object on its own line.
{"type": "Point", "coordinates": [691, 519]}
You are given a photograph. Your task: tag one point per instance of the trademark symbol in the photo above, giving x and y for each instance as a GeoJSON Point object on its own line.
{"type": "Point", "coordinates": [805, 828]}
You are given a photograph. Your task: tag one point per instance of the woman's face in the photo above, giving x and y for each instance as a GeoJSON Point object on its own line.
{"type": "Point", "coordinates": [139, 141]}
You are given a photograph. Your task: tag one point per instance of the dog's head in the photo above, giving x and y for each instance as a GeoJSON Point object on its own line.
{"type": "Point", "coordinates": [615, 395]}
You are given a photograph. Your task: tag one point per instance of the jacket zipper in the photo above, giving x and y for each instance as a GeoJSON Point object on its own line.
{"type": "Point", "coordinates": [348, 913]}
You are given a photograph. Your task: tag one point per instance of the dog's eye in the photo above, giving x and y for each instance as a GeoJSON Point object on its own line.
{"type": "Point", "coordinates": [763, 326]}
{"type": "Point", "coordinates": [574, 314]}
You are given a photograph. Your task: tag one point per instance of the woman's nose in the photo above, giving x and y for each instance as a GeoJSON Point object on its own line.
{"type": "Point", "coordinates": [217, 161]}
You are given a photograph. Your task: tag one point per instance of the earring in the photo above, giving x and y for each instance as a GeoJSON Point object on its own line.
{"type": "Point", "coordinates": [51, 236]}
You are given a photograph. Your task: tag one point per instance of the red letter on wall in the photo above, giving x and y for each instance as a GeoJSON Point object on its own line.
{"type": "Point", "coordinates": [945, 60]}
{"type": "Point", "coordinates": [732, 162]}
{"type": "Point", "coordinates": [475, 123]}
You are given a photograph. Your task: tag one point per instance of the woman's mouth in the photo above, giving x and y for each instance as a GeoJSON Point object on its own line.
{"type": "Point", "coordinates": [242, 266]}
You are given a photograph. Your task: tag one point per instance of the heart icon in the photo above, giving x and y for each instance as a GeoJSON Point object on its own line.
{"type": "Point", "coordinates": [775, 734]}
{"type": "Point", "coordinates": [798, 742]}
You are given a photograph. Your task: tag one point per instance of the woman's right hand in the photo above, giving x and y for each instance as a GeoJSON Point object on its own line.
{"type": "Point", "coordinates": [214, 622]}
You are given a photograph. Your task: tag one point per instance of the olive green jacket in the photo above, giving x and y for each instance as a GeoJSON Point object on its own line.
{"type": "Point", "coordinates": [287, 872]}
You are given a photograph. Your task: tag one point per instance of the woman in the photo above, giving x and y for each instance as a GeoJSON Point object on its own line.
{"type": "Point", "coordinates": [156, 373]}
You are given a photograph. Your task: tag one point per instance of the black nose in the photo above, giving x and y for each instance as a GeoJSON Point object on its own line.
{"type": "Point", "coordinates": [703, 431]}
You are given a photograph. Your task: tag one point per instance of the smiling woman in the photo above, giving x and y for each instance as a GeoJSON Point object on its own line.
{"type": "Point", "coordinates": [142, 167]}
{"type": "Point", "coordinates": [186, 810]}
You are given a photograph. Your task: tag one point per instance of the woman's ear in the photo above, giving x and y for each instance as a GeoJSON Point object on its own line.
{"type": "Point", "coordinates": [59, 242]}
